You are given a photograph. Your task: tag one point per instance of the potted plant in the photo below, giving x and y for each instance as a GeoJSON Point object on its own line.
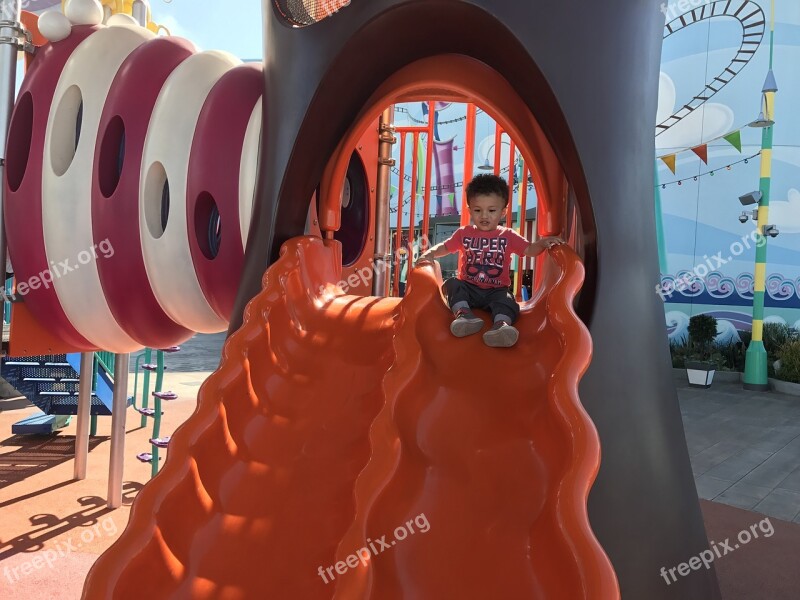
{"type": "Point", "coordinates": [700, 366]}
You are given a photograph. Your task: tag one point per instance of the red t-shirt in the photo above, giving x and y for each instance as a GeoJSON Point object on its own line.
{"type": "Point", "coordinates": [487, 254]}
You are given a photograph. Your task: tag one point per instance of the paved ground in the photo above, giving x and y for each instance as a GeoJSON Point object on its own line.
{"type": "Point", "coordinates": [744, 447]}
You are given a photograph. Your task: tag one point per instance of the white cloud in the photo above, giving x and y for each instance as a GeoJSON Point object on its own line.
{"type": "Point", "coordinates": [789, 14]}
{"type": "Point", "coordinates": [666, 97]}
{"type": "Point", "coordinates": [710, 121]}
{"type": "Point", "coordinates": [786, 215]}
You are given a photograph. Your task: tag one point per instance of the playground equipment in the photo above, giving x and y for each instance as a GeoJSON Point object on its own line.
{"type": "Point", "coordinates": [51, 384]}
{"type": "Point", "coordinates": [155, 413]}
{"type": "Point", "coordinates": [332, 418]}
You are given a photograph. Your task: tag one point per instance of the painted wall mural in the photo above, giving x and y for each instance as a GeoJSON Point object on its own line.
{"type": "Point", "coordinates": [715, 63]}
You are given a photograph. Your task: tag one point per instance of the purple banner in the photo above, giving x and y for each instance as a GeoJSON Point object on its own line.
{"type": "Point", "coordinates": [445, 181]}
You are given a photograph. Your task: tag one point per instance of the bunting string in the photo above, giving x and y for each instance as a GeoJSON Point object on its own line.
{"type": "Point", "coordinates": [709, 173]}
{"type": "Point", "coordinates": [734, 138]}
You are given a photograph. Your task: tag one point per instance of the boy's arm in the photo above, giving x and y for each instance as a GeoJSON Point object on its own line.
{"type": "Point", "coordinates": [539, 246]}
{"type": "Point", "coordinates": [449, 246]}
{"type": "Point", "coordinates": [438, 251]}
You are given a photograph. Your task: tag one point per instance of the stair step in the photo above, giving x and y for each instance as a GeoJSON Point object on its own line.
{"type": "Point", "coordinates": [166, 395]}
{"type": "Point", "coordinates": [171, 349]}
{"type": "Point", "coordinates": [160, 442]}
{"type": "Point", "coordinates": [147, 412]}
{"type": "Point", "coordinates": [151, 367]}
{"type": "Point", "coordinates": [57, 364]}
{"type": "Point", "coordinates": [55, 393]}
{"type": "Point", "coordinates": [40, 424]}
{"type": "Point", "coordinates": [145, 457]}
{"type": "Point", "coordinates": [53, 379]}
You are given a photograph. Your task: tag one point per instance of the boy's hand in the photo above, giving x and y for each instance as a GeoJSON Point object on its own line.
{"type": "Point", "coordinates": [545, 243]}
{"type": "Point", "coordinates": [425, 257]}
{"type": "Point", "coordinates": [551, 241]}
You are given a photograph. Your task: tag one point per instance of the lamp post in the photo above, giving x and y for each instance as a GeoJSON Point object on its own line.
{"type": "Point", "coordinates": [487, 165]}
{"type": "Point", "coordinates": [755, 371]}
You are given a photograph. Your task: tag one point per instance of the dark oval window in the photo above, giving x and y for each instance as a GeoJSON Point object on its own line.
{"type": "Point", "coordinates": [19, 142]}
{"type": "Point", "coordinates": [207, 225]}
{"type": "Point", "coordinates": [165, 205]}
{"type": "Point", "coordinates": [66, 134]}
{"type": "Point", "coordinates": [156, 199]}
{"type": "Point", "coordinates": [355, 211]}
{"type": "Point", "coordinates": [112, 157]}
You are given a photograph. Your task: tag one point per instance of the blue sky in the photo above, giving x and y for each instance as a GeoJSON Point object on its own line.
{"type": "Point", "coordinates": [234, 26]}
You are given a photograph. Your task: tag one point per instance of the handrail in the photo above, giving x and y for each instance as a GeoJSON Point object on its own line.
{"type": "Point", "coordinates": [106, 360]}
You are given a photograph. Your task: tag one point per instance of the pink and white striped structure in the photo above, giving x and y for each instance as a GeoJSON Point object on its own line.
{"type": "Point", "coordinates": [147, 149]}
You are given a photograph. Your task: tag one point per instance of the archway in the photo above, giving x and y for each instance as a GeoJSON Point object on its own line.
{"type": "Point", "coordinates": [564, 203]}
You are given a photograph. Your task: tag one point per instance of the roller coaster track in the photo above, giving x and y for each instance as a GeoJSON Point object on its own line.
{"type": "Point", "coordinates": [754, 25]}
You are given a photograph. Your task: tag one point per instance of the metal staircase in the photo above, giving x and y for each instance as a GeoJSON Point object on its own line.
{"type": "Point", "coordinates": [50, 382]}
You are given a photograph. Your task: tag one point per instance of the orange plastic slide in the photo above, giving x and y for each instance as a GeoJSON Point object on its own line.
{"type": "Point", "coordinates": [351, 448]}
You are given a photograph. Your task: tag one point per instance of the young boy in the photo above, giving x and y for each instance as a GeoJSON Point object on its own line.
{"type": "Point", "coordinates": [484, 279]}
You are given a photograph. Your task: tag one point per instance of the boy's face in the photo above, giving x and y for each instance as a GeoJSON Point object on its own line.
{"type": "Point", "coordinates": [487, 211]}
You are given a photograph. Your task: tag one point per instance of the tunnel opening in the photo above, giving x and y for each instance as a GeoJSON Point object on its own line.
{"type": "Point", "coordinates": [556, 204]}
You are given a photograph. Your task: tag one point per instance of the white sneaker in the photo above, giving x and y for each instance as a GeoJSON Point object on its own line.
{"type": "Point", "coordinates": [501, 335]}
{"type": "Point", "coordinates": [465, 323]}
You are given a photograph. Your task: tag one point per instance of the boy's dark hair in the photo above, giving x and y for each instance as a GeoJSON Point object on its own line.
{"type": "Point", "coordinates": [486, 185]}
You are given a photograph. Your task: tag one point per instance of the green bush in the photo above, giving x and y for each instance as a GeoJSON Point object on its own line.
{"type": "Point", "coordinates": [790, 362]}
{"type": "Point", "coordinates": [776, 336]}
{"type": "Point", "coordinates": [732, 356]}
{"type": "Point", "coordinates": [679, 352]}
{"type": "Point", "coordinates": [702, 332]}
{"type": "Point", "coordinates": [746, 337]}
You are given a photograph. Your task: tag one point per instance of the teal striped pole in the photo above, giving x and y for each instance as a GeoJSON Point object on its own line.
{"type": "Point", "coordinates": [756, 373]}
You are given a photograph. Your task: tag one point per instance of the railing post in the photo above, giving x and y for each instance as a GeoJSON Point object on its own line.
{"type": "Point", "coordinates": [381, 261]}
{"type": "Point", "coordinates": [148, 356]}
{"type": "Point", "coordinates": [118, 414]}
{"type": "Point", "coordinates": [84, 414]}
{"type": "Point", "coordinates": [157, 407]}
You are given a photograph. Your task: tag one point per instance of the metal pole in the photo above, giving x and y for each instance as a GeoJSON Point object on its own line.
{"type": "Point", "coordinates": [426, 203]}
{"type": "Point", "coordinates": [382, 220]}
{"type": "Point", "coordinates": [10, 31]}
{"type": "Point", "coordinates": [756, 373]}
{"type": "Point", "coordinates": [140, 10]}
{"type": "Point", "coordinates": [118, 414]}
{"type": "Point", "coordinates": [84, 410]}
{"type": "Point", "coordinates": [398, 233]}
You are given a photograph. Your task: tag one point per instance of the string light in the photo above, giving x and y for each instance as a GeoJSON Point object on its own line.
{"type": "Point", "coordinates": [712, 172]}
{"type": "Point", "coordinates": [419, 122]}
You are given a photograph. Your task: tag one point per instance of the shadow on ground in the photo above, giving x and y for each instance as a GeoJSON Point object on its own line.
{"type": "Point", "coordinates": [36, 454]}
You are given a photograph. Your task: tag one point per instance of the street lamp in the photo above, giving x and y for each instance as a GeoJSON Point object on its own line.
{"type": "Point", "coordinates": [756, 375]}
{"type": "Point", "coordinates": [488, 166]}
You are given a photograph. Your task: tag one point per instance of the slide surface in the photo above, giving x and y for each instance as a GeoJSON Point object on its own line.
{"type": "Point", "coordinates": [352, 448]}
